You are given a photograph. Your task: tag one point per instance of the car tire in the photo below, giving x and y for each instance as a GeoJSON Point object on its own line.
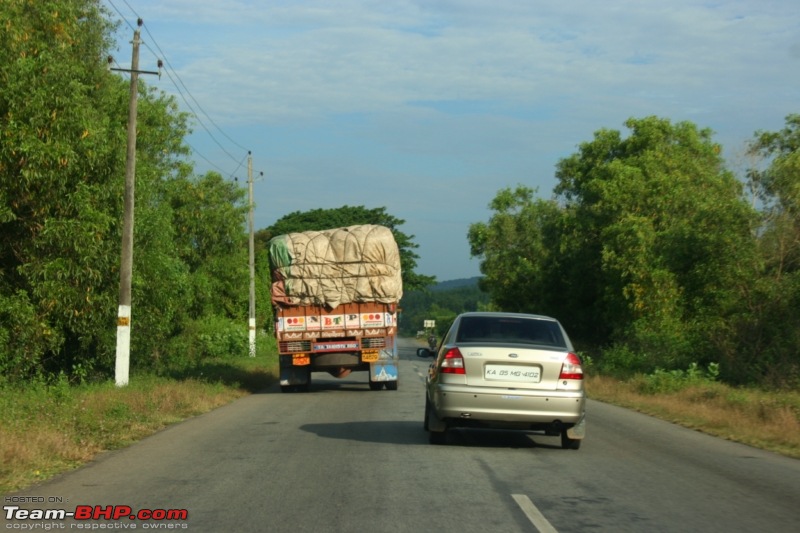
{"type": "Point", "coordinates": [427, 413]}
{"type": "Point", "coordinates": [437, 437]}
{"type": "Point", "coordinates": [434, 437]}
{"type": "Point", "coordinates": [568, 443]}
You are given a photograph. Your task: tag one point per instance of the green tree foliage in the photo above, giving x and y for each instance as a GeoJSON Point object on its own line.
{"type": "Point", "coordinates": [208, 215]}
{"type": "Point", "coordinates": [322, 219]}
{"type": "Point", "coordinates": [648, 249]}
{"type": "Point", "coordinates": [779, 192]}
{"type": "Point", "coordinates": [516, 247]}
{"type": "Point", "coordinates": [63, 132]}
{"type": "Point", "coordinates": [765, 339]}
{"type": "Point", "coordinates": [667, 234]}
{"type": "Point", "coordinates": [59, 148]}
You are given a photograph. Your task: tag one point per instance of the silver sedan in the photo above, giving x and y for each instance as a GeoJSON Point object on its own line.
{"type": "Point", "coordinates": [506, 371]}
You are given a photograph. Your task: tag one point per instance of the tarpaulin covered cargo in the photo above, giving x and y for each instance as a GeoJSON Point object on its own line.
{"type": "Point", "coordinates": [331, 267]}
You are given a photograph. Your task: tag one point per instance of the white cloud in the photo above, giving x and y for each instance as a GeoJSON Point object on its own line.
{"type": "Point", "coordinates": [466, 95]}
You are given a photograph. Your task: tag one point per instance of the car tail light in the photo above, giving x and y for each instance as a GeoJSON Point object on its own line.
{"type": "Point", "coordinates": [453, 362]}
{"type": "Point", "coordinates": [571, 368]}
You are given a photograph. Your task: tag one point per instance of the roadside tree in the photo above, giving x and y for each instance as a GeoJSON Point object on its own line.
{"type": "Point", "coordinates": [662, 231]}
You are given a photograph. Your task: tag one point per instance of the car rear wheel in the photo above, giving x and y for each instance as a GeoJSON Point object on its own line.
{"type": "Point", "coordinates": [427, 413]}
{"type": "Point", "coordinates": [437, 437]}
{"type": "Point", "coordinates": [568, 443]}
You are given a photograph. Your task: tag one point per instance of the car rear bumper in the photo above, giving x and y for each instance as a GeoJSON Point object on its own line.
{"type": "Point", "coordinates": [461, 405]}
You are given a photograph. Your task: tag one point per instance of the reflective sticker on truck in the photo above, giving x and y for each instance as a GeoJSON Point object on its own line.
{"type": "Point", "coordinates": [372, 320]}
{"type": "Point", "coordinates": [292, 323]}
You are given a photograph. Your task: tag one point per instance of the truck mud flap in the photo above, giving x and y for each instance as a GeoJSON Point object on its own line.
{"type": "Point", "coordinates": [385, 368]}
{"type": "Point", "coordinates": [383, 371]}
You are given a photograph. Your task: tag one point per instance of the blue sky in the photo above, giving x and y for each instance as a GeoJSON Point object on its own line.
{"type": "Point", "coordinates": [429, 107]}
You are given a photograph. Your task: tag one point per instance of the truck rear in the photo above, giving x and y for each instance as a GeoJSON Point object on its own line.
{"type": "Point", "coordinates": [335, 296]}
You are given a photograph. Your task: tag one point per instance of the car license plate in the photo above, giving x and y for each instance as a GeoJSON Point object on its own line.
{"type": "Point", "coordinates": [524, 374]}
{"type": "Point", "coordinates": [301, 360]}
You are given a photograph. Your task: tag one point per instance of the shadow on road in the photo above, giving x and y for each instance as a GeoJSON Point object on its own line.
{"type": "Point", "coordinates": [411, 433]}
{"type": "Point", "coordinates": [321, 383]}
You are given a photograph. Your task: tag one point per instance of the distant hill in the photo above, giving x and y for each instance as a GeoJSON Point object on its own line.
{"type": "Point", "coordinates": [440, 303]}
{"type": "Point", "coordinates": [456, 284]}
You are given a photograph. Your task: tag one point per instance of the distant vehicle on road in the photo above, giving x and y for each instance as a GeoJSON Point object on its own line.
{"type": "Point", "coordinates": [505, 371]}
{"type": "Point", "coordinates": [335, 295]}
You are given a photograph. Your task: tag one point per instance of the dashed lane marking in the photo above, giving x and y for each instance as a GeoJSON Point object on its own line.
{"type": "Point", "coordinates": [534, 515]}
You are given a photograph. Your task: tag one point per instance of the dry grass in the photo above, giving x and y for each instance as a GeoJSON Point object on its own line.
{"type": "Point", "coordinates": [767, 420]}
{"type": "Point", "coordinates": [45, 430]}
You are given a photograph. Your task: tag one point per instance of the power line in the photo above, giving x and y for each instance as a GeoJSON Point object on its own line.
{"type": "Point", "coordinates": [183, 92]}
{"type": "Point", "coordinates": [190, 94]}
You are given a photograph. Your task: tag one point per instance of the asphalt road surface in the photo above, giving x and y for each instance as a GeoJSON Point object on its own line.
{"type": "Point", "coordinates": [343, 458]}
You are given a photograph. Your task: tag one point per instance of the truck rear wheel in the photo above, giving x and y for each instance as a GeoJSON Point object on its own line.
{"type": "Point", "coordinates": [391, 385]}
{"type": "Point", "coordinates": [375, 385]}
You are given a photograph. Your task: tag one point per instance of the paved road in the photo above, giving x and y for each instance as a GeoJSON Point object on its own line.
{"type": "Point", "coordinates": [345, 459]}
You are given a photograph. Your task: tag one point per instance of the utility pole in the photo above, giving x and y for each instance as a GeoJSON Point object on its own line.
{"type": "Point", "coordinates": [126, 265]}
{"type": "Point", "coordinates": [252, 320]}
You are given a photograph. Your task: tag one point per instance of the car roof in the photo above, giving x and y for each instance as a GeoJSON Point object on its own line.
{"type": "Point", "coordinates": [502, 314]}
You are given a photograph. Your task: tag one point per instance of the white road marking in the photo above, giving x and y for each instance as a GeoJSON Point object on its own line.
{"type": "Point", "coordinates": [534, 515]}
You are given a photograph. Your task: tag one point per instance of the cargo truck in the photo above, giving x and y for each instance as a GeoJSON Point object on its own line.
{"type": "Point", "coordinates": [335, 296]}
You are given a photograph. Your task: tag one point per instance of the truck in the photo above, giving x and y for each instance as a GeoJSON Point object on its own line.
{"type": "Point", "coordinates": [335, 295]}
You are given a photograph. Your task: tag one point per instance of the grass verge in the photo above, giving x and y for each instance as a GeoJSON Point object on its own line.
{"type": "Point", "coordinates": [49, 429]}
{"type": "Point", "coordinates": [769, 420]}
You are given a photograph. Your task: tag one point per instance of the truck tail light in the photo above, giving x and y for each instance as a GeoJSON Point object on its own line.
{"type": "Point", "coordinates": [453, 362]}
{"type": "Point", "coordinates": [571, 368]}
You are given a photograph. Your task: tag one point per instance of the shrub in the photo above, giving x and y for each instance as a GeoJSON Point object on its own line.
{"type": "Point", "coordinates": [667, 381]}
{"type": "Point", "coordinates": [621, 361]}
{"type": "Point", "coordinates": [24, 338]}
{"type": "Point", "coordinates": [206, 338]}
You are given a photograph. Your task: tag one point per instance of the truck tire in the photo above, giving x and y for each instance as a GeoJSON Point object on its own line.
{"type": "Point", "coordinates": [391, 385]}
{"type": "Point", "coordinates": [375, 385]}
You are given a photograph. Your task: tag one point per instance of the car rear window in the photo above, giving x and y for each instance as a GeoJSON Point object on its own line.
{"type": "Point", "coordinates": [510, 329]}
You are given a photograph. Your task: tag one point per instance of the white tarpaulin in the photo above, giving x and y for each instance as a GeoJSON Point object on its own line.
{"type": "Point", "coordinates": [332, 267]}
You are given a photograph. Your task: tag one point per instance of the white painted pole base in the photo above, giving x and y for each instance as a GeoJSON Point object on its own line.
{"type": "Point", "coordinates": [123, 345]}
{"type": "Point", "coordinates": [252, 337]}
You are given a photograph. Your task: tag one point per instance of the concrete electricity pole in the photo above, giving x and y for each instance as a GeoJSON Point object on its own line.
{"type": "Point", "coordinates": [252, 320]}
{"type": "Point", "coordinates": [126, 265]}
